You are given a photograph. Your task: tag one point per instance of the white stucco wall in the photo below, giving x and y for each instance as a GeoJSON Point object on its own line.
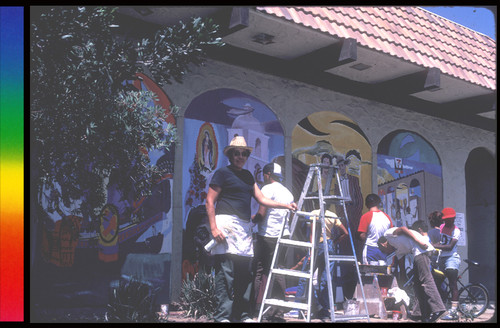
{"type": "Point", "coordinates": [292, 101]}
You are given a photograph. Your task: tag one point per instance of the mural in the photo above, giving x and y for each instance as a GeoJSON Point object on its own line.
{"type": "Point", "coordinates": [409, 177]}
{"type": "Point", "coordinates": [331, 138]}
{"type": "Point", "coordinates": [210, 122]}
{"type": "Point", "coordinates": [127, 223]}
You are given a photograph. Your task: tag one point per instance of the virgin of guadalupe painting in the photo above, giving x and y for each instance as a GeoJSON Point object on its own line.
{"type": "Point", "coordinates": [206, 148]}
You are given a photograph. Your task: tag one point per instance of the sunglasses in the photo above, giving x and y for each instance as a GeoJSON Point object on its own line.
{"type": "Point", "coordinates": [244, 153]}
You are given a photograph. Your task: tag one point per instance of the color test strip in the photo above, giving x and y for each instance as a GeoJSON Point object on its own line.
{"type": "Point", "coordinates": [11, 164]}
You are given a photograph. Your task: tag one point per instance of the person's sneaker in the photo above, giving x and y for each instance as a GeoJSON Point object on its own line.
{"type": "Point", "coordinates": [451, 315]}
{"type": "Point", "coordinates": [248, 320]}
{"type": "Point", "coordinates": [435, 316]}
{"type": "Point", "coordinates": [224, 320]}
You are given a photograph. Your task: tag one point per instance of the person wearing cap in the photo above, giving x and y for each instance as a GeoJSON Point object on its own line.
{"type": "Point", "coordinates": [270, 222]}
{"type": "Point", "coordinates": [449, 260]}
{"type": "Point", "coordinates": [228, 205]}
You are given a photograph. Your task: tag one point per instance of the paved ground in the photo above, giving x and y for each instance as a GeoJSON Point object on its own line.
{"type": "Point", "coordinates": [96, 314]}
{"type": "Point", "coordinates": [488, 317]}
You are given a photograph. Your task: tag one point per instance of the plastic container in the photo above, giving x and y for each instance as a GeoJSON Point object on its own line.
{"type": "Point", "coordinates": [396, 315]}
{"type": "Point", "coordinates": [351, 307]}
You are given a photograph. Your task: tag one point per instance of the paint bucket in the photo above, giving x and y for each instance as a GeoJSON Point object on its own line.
{"type": "Point", "coordinates": [396, 315]}
{"type": "Point", "coordinates": [383, 291]}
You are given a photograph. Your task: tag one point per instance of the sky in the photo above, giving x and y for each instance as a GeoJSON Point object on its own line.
{"type": "Point", "coordinates": [478, 19]}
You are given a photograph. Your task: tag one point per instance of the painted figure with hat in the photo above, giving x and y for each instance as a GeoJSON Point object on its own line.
{"type": "Point", "coordinates": [351, 188]}
{"type": "Point", "coordinates": [228, 207]}
{"type": "Point", "coordinates": [449, 260]}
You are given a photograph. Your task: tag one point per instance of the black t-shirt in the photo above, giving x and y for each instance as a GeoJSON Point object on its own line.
{"type": "Point", "coordinates": [236, 192]}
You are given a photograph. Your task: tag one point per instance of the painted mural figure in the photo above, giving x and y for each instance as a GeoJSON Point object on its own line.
{"type": "Point", "coordinates": [207, 152]}
{"type": "Point", "coordinates": [351, 188]}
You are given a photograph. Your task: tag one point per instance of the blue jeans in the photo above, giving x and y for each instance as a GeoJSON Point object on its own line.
{"type": "Point", "coordinates": [322, 295]}
{"type": "Point", "coordinates": [322, 273]}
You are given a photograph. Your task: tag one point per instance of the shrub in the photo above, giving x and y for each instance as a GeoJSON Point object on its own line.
{"type": "Point", "coordinates": [198, 295]}
{"type": "Point", "coordinates": [132, 301]}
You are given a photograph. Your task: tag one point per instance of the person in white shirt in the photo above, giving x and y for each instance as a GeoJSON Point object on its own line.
{"type": "Point", "coordinates": [270, 222]}
{"type": "Point", "coordinates": [403, 241]}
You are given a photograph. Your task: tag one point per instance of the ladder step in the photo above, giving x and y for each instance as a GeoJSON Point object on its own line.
{"type": "Point", "coordinates": [313, 214]}
{"type": "Point", "coordinates": [350, 317]}
{"type": "Point", "coordinates": [288, 304]}
{"type": "Point", "coordinates": [336, 197]}
{"type": "Point", "coordinates": [342, 258]}
{"type": "Point", "coordinates": [292, 273]}
{"type": "Point", "coordinates": [295, 243]}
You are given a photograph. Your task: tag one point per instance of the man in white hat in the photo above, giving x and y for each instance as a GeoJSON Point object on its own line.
{"type": "Point", "coordinates": [229, 214]}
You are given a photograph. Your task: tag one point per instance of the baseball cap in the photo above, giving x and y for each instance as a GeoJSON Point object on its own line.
{"type": "Point", "coordinates": [274, 169]}
{"type": "Point", "coordinates": [448, 212]}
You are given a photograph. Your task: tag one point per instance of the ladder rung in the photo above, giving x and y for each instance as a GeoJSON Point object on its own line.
{"type": "Point", "coordinates": [342, 258]}
{"type": "Point", "coordinates": [292, 273]}
{"type": "Point", "coordinates": [301, 213]}
{"type": "Point", "coordinates": [295, 243]}
{"type": "Point", "coordinates": [350, 317]}
{"type": "Point", "coordinates": [288, 304]}
{"type": "Point", "coordinates": [336, 197]}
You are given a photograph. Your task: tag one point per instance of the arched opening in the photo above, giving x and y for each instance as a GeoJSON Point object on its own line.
{"type": "Point", "coordinates": [480, 180]}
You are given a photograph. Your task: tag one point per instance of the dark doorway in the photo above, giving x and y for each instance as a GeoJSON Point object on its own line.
{"type": "Point", "coordinates": [480, 179]}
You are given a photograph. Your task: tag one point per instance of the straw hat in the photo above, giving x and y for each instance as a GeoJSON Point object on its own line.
{"type": "Point", "coordinates": [238, 142]}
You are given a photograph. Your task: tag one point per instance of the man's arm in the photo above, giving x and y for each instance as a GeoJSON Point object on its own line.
{"type": "Point", "coordinates": [448, 247]}
{"type": "Point", "coordinates": [260, 214]}
{"type": "Point", "coordinates": [405, 231]}
{"type": "Point", "coordinates": [212, 195]}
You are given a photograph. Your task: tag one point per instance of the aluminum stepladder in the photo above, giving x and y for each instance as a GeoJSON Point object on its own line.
{"type": "Point", "coordinates": [322, 199]}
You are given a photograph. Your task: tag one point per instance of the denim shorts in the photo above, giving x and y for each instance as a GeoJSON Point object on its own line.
{"type": "Point", "coordinates": [449, 262]}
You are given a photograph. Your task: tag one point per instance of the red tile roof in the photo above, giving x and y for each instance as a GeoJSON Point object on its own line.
{"type": "Point", "coordinates": [409, 33]}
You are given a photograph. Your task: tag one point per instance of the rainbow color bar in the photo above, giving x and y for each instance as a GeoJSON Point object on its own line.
{"type": "Point", "coordinates": [11, 164]}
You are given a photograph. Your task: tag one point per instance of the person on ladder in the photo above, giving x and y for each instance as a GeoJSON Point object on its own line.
{"type": "Point", "coordinates": [270, 221]}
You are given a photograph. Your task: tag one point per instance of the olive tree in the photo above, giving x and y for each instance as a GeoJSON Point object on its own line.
{"type": "Point", "coordinates": [85, 118]}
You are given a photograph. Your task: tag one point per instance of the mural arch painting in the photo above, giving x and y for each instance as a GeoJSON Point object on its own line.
{"type": "Point", "coordinates": [210, 121]}
{"type": "Point", "coordinates": [409, 177]}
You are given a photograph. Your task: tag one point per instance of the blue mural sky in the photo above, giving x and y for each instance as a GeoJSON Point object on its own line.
{"type": "Point", "coordinates": [409, 166]}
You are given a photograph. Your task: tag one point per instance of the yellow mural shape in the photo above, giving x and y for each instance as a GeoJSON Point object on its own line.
{"type": "Point", "coordinates": [339, 136]}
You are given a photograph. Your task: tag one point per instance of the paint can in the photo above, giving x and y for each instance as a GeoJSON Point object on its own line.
{"type": "Point", "coordinates": [396, 315]}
